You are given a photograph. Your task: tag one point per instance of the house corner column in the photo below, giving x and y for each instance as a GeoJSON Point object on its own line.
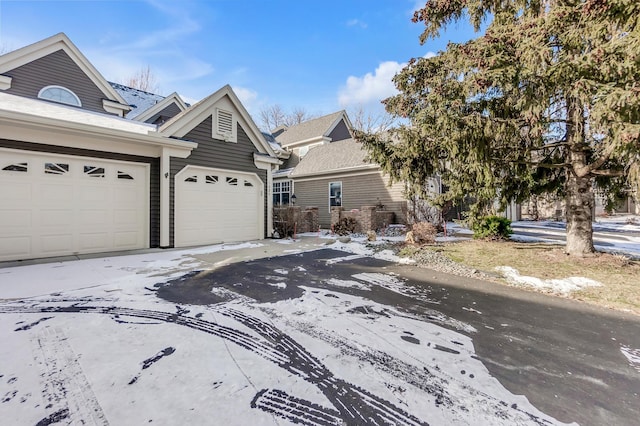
{"type": "Point", "coordinates": [165, 180]}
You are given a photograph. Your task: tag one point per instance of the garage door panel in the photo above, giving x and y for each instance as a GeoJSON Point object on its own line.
{"type": "Point", "coordinates": [14, 191]}
{"type": "Point", "coordinates": [96, 217]}
{"type": "Point", "coordinates": [76, 208]}
{"type": "Point", "coordinates": [13, 220]}
{"type": "Point", "coordinates": [54, 244]}
{"type": "Point", "coordinates": [213, 206]}
{"type": "Point", "coordinates": [126, 240]}
{"type": "Point", "coordinates": [56, 193]}
{"type": "Point", "coordinates": [19, 245]}
{"type": "Point", "coordinates": [90, 242]}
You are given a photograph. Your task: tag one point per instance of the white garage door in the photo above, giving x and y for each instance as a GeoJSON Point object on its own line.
{"type": "Point", "coordinates": [214, 206]}
{"type": "Point", "coordinates": [54, 205]}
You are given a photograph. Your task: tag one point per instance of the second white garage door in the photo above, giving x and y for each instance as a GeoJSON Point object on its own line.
{"type": "Point", "coordinates": [214, 206]}
{"type": "Point", "coordinates": [54, 205]}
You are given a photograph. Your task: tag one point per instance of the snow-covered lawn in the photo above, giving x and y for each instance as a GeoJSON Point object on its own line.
{"type": "Point", "coordinates": [89, 341]}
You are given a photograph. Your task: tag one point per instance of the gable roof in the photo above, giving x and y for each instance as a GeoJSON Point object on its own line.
{"type": "Point", "coordinates": [316, 128]}
{"type": "Point", "coordinates": [188, 119]}
{"type": "Point", "coordinates": [341, 156]}
{"type": "Point", "coordinates": [52, 44]}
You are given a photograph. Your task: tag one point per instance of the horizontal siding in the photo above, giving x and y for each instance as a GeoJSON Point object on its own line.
{"type": "Point", "coordinates": [340, 132]}
{"type": "Point", "coordinates": [56, 69]}
{"type": "Point", "coordinates": [357, 191]}
{"type": "Point", "coordinates": [154, 182]}
{"type": "Point", "coordinates": [218, 154]}
{"type": "Point", "coordinates": [165, 114]}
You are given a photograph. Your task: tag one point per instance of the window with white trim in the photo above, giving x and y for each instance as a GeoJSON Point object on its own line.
{"type": "Point", "coordinates": [59, 94]}
{"type": "Point", "coordinates": [335, 194]}
{"type": "Point", "coordinates": [282, 193]}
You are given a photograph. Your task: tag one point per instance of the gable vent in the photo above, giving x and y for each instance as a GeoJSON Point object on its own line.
{"type": "Point", "coordinates": [225, 123]}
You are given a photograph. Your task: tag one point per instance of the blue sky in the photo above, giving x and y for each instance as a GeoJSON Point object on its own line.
{"type": "Point", "coordinates": [321, 55]}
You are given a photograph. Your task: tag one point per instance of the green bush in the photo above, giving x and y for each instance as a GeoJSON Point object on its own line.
{"type": "Point", "coordinates": [492, 228]}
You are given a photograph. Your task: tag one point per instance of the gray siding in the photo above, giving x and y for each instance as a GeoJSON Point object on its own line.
{"type": "Point", "coordinates": [165, 114]}
{"type": "Point", "coordinates": [219, 154]}
{"type": "Point", "coordinates": [340, 132]}
{"type": "Point", "coordinates": [154, 182]}
{"type": "Point", "coordinates": [357, 191]}
{"type": "Point", "coordinates": [55, 69]}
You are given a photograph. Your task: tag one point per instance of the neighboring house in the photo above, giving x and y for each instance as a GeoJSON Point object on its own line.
{"type": "Point", "coordinates": [326, 167]}
{"type": "Point", "coordinates": [88, 166]}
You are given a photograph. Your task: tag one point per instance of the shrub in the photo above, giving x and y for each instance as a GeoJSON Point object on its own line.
{"type": "Point", "coordinates": [283, 221]}
{"type": "Point", "coordinates": [492, 228]}
{"type": "Point", "coordinates": [346, 226]}
{"type": "Point", "coordinates": [424, 232]}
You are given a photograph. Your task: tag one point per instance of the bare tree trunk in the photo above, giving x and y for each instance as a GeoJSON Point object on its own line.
{"type": "Point", "coordinates": [579, 216]}
{"type": "Point", "coordinates": [579, 192]}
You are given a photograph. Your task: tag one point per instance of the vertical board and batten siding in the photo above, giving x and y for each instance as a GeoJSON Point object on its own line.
{"type": "Point", "coordinates": [219, 154]}
{"type": "Point", "coordinates": [340, 132]}
{"type": "Point", "coordinates": [357, 191]}
{"type": "Point", "coordinates": [169, 112]}
{"type": "Point", "coordinates": [56, 69]}
{"type": "Point", "coordinates": [154, 178]}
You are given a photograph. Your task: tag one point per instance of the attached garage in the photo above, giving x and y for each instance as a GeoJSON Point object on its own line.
{"type": "Point", "coordinates": [55, 205]}
{"type": "Point", "coordinates": [217, 205]}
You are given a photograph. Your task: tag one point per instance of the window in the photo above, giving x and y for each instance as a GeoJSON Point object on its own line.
{"type": "Point", "coordinates": [247, 183]}
{"type": "Point", "coordinates": [335, 194]}
{"type": "Point", "coordinates": [193, 179]}
{"type": "Point", "coordinates": [281, 193]}
{"type": "Point", "coordinates": [124, 175]}
{"type": "Point", "coordinates": [16, 167]}
{"type": "Point", "coordinates": [92, 171]}
{"type": "Point", "coordinates": [232, 181]}
{"type": "Point", "coordinates": [211, 179]}
{"type": "Point", "coordinates": [56, 168]}
{"type": "Point", "coordinates": [59, 94]}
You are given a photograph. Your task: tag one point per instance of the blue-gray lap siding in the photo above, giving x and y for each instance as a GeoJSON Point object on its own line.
{"type": "Point", "coordinates": [154, 174]}
{"type": "Point", "coordinates": [217, 154]}
{"type": "Point", "coordinates": [340, 132]}
{"type": "Point", "coordinates": [168, 112]}
{"type": "Point", "coordinates": [55, 69]}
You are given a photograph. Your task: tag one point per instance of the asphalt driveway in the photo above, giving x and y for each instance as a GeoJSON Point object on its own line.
{"type": "Point", "coordinates": [313, 337]}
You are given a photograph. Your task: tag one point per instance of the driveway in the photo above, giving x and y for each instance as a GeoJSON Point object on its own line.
{"type": "Point", "coordinates": [316, 336]}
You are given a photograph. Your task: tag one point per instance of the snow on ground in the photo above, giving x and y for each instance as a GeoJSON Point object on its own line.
{"type": "Point", "coordinates": [619, 234]}
{"type": "Point", "coordinates": [98, 345]}
{"type": "Point", "coordinates": [632, 355]}
{"type": "Point", "coordinates": [556, 285]}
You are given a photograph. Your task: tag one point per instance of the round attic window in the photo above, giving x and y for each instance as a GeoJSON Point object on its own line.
{"type": "Point", "coordinates": [59, 94]}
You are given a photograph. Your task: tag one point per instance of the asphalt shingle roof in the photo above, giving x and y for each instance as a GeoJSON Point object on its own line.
{"type": "Point", "coordinates": [309, 129]}
{"type": "Point", "coordinates": [139, 100]}
{"type": "Point", "coordinates": [334, 156]}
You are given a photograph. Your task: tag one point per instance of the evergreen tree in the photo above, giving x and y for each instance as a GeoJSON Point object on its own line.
{"type": "Point", "coordinates": [547, 100]}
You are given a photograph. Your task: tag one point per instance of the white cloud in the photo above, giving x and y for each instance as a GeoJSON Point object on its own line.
{"type": "Point", "coordinates": [429, 54]}
{"type": "Point", "coordinates": [372, 87]}
{"type": "Point", "coordinates": [356, 23]}
{"type": "Point", "coordinates": [248, 97]}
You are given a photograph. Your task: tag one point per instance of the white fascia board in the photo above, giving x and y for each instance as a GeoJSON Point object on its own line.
{"type": "Point", "coordinates": [263, 161]}
{"type": "Point", "coordinates": [115, 107]}
{"type": "Point", "coordinates": [340, 118]}
{"type": "Point", "coordinates": [350, 171]}
{"type": "Point", "coordinates": [49, 131]}
{"type": "Point", "coordinates": [310, 141]}
{"type": "Point", "coordinates": [5, 82]}
{"type": "Point", "coordinates": [150, 112]}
